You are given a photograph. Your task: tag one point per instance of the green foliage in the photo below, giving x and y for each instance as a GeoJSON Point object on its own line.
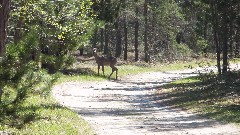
{"type": "Point", "coordinates": [201, 45]}
{"type": "Point", "coordinates": [169, 22]}
{"type": "Point", "coordinates": [54, 29]}
{"type": "Point", "coordinates": [31, 82]}
{"type": "Point", "coordinates": [182, 50]}
{"type": "Point", "coordinates": [17, 60]}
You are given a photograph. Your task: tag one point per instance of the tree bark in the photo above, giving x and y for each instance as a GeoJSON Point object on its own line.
{"type": "Point", "coordinates": [125, 39]}
{"type": "Point", "coordinates": [102, 39]}
{"type": "Point", "coordinates": [4, 15]}
{"type": "Point", "coordinates": [125, 32]}
{"type": "Point", "coordinates": [118, 40]}
{"type": "Point", "coordinates": [136, 32]}
{"type": "Point", "coordinates": [105, 51]}
{"type": "Point", "coordinates": [146, 48]}
{"type": "Point", "coordinates": [237, 38]}
{"type": "Point", "coordinates": [215, 33]}
{"type": "Point", "coordinates": [95, 38]}
{"type": "Point", "coordinates": [225, 40]}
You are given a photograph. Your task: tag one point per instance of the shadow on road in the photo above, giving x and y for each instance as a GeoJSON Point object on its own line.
{"type": "Point", "coordinates": [141, 106]}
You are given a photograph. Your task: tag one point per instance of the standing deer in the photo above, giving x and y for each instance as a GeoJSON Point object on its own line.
{"type": "Point", "coordinates": [102, 61]}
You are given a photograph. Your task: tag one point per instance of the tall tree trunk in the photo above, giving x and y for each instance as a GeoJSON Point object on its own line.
{"type": "Point", "coordinates": [231, 31]}
{"type": "Point", "coordinates": [95, 38]}
{"type": "Point", "coordinates": [106, 51]}
{"type": "Point", "coordinates": [146, 47]}
{"type": "Point", "coordinates": [125, 38]}
{"type": "Point", "coordinates": [81, 51]}
{"type": "Point", "coordinates": [125, 32]}
{"type": "Point", "coordinates": [215, 33]}
{"type": "Point", "coordinates": [231, 35]}
{"type": "Point", "coordinates": [205, 26]}
{"type": "Point", "coordinates": [17, 35]}
{"type": "Point", "coordinates": [237, 38]}
{"type": "Point", "coordinates": [4, 15]}
{"type": "Point", "coordinates": [136, 32]}
{"type": "Point", "coordinates": [102, 39]}
{"type": "Point", "coordinates": [225, 40]}
{"type": "Point", "coordinates": [118, 39]}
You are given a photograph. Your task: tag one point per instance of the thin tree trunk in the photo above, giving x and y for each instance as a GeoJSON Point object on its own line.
{"type": "Point", "coordinates": [81, 51]}
{"type": "Point", "coordinates": [136, 32]}
{"type": "Point", "coordinates": [237, 38]}
{"type": "Point", "coordinates": [231, 40]}
{"type": "Point", "coordinates": [225, 41]}
{"type": "Point", "coordinates": [17, 35]}
{"type": "Point", "coordinates": [118, 40]}
{"type": "Point", "coordinates": [146, 48]}
{"type": "Point", "coordinates": [125, 39]}
{"type": "Point", "coordinates": [95, 38]}
{"type": "Point", "coordinates": [125, 32]}
{"type": "Point", "coordinates": [106, 51]}
{"type": "Point", "coordinates": [215, 33]}
{"type": "Point", "coordinates": [102, 39]}
{"type": "Point", "coordinates": [231, 32]}
{"type": "Point", "coordinates": [4, 15]}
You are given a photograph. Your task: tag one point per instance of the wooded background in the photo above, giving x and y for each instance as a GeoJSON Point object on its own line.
{"type": "Point", "coordinates": [43, 34]}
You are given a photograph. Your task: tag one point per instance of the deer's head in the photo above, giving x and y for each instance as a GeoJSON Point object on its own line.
{"type": "Point", "coordinates": [94, 50]}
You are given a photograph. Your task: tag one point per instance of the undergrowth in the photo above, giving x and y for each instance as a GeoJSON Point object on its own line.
{"type": "Point", "coordinates": [28, 108]}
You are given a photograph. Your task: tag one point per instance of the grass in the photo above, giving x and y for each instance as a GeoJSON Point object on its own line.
{"type": "Point", "coordinates": [39, 113]}
{"type": "Point", "coordinates": [212, 96]}
{"type": "Point", "coordinates": [35, 111]}
{"type": "Point", "coordinates": [87, 71]}
{"type": "Point", "coordinates": [42, 115]}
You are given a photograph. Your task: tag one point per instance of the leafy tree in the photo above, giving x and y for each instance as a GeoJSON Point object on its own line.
{"type": "Point", "coordinates": [62, 28]}
{"type": "Point", "coordinates": [46, 33]}
{"type": "Point", "coordinates": [107, 11]}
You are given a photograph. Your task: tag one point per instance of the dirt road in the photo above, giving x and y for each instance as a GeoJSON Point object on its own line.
{"type": "Point", "coordinates": [128, 107]}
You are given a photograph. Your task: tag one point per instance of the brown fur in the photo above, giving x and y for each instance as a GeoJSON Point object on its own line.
{"type": "Point", "coordinates": [105, 61]}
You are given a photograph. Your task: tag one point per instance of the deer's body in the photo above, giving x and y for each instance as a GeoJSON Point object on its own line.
{"type": "Point", "coordinates": [105, 61]}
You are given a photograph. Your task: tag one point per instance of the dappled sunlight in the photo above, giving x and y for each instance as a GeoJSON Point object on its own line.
{"type": "Point", "coordinates": [133, 104]}
{"type": "Point", "coordinates": [217, 99]}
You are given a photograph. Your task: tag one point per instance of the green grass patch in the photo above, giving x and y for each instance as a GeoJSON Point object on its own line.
{"type": "Point", "coordinates": [27, 107]}
{"type": "Point", "coordinates": [41, 115]}
{"type": "Point", "coordinates": [87, 71]}
{"type": "Point", "coordinates": [35, 112]}
{"type": "Point", "coordinates": [213, 96]}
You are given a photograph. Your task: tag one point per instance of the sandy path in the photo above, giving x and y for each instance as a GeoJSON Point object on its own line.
{"type": "Point", "coordinates": [128, 107]}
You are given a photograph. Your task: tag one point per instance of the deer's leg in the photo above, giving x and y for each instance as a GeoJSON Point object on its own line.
{"type": "Point", "coordinates": [116, 72]}
{"type": "Point", "coordinates": [98, 69]}
{"type": "Point", "coordinates": [113, 69]}
{"type": "Point", "coordinates": [103, 70]}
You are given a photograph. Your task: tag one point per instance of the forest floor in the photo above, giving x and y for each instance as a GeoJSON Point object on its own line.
{"type": "Point", "coordinates": [130, 106]}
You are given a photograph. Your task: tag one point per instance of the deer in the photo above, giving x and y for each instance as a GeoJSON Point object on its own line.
{"type": "Point", "coordinates": [105, 61]}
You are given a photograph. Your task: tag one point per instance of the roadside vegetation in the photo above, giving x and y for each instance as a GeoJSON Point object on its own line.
{"type": "Point", "coordinates": [87, 71]}
{"type": "Point", "coordinates": [28, 108]}
{"type": "Point", "coordinates": [39, 113]}
{"type": "Point", "coordinates": [39, 39]}
{"type": "Point", "coordinates": [210, 95]}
